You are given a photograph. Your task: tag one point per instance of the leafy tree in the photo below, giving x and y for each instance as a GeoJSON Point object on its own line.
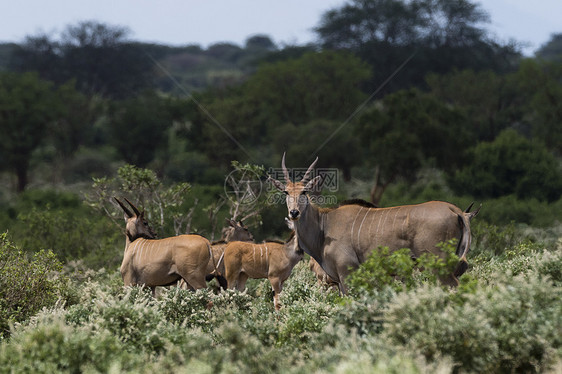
{"type": "Point", "coordinates": [6, 51]}
{"type": "Point", "coordinates": [540, 90]}
{"type": "Point", "coordinates": [97, 55]}
{"type": "Point", "coordinates": [316, 86]}
{"type": "Point", "coordinates": [490, 101]}
{"type": "Point", "coordinates": [225, 51]}
{"type": "Point", "coordinates": [164, 204]}
{"type": "Point", "coordinates": [551, 50]}
{"type": "Point", "coordinates": [441, 34]}
{"type": "Point", "coordinates": [74, 127]}
{"type": "Point", "coordinates": [511, 164]}
{"type": "Point", "coordinates": [288, 52]}
{"type": "Point", "coordinates": [40, 54]}
{"type": "Point", "coordinates": [260, 42]}
{"type": "Point", "coordinates": [27, 105]}
{"type": "Point", "coordinates": [323, 85]}
{"type": "Point", "coordinates": [138, 127]}
{"type": "Point", "coordinates": [304, 142]}
{"type": "Point", "coordinates": [407, 130]}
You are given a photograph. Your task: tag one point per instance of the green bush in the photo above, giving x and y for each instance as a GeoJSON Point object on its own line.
{"type": "Point", "coordinates": [60, 222]}
{"type": "Point", "coordinates": [186, 308]}
{"type": "Point", "coordinates": [504, 317]}
{"type": "Point", "coordinates": [397, 269]}
{"type": "Point", "coordinates": [511, 326]}
{"type": "Point", "coordinates": [511, 164]}
{"type": "Point", "coordinates": [54, 347]}
{"type": "Point", "coordinates": [70, 236]}
{"type": "Point", "coordinates": [528, 210]}
{"type": "Point", "coordinates": [27, 284]}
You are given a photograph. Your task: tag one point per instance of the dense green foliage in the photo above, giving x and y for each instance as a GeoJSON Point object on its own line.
{"type": "Point", "coordinates": [504, 317]}
{"type": "Point", "coordinates": [399, 271]}
{"type": "Point", "coordinates": [438, 35]}
{"type": "Point", "coordinates": [27, 284]}
{"type": "Point", "coordinates": [461, 89]}
{"type": "Point", "coordinates": [511, 164]}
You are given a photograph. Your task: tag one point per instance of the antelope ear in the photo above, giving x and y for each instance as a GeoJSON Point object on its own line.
{"type": "Point", "coordinates": [231, 222]}
{"type": "Point", "coordinates": [313, 183]}
{"type": "Point", "coordinates": [280, 186]}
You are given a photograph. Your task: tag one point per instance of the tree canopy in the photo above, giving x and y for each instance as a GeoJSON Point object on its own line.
{"type": "Point", "coordinates": [440, 34]}
{"type": "Point", "coordinates": [511, 164]}
{"type": "Point", "coordinates": [27, 105]}
{"type": "Point", "coordinates": [410, 129]}
{"type": "Point", "coordinates": [98, 56]}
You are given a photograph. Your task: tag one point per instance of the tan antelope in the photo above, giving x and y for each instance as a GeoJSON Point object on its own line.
{"type": "Point", "coordinates": [340, 239]}
{"type": "Point", "coordinates": [321, 276]}
{"type": "Point", "coordinates": [161, 262]}
{"type": "Point", "coordinates": [236, 231]}
{"type": "Point", "coordinates": [272, 260]}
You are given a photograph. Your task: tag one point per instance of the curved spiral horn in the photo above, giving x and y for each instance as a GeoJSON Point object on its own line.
{"type": "Point", "coordinates": [137, 212]}
{"type": "Point", "coordinates": [310, 168]}
{"type": "Point", "coordinates": [285, 171]}
{"type": "Point", "coordinates": [125, 209]}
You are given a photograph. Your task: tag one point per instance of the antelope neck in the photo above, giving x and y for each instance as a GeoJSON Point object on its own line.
{"type": "Point", "coordinates": [310, 232]}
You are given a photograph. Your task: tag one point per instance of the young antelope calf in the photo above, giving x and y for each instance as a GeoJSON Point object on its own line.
{"type": "Point", "coordinates": [321, 276]}
{"type": "Point", "coordinates": [236, 231]}
{"type": "Point", "coordinates": [271, 260]}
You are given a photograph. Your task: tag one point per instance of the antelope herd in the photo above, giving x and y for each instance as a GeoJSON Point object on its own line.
{"type": "Point", "coordinates": [337, 240]}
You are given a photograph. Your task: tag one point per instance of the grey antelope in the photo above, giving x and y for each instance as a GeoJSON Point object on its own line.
{"type": "Point", "coordinates": [272, 260]}
{"type": "Point", "coordinates": [161, 262]}
{"type": "Point", "coordinates": [321, 276]}
{"type": "Point", "coordinates": [340, 239]}
{"type": "Point", "coordinates": [236, 231]}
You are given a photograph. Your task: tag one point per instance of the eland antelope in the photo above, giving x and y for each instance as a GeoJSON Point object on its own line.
{"type": "Point", "coordinates": [271, 259]}
{"type": "Point", "coordinates": [236, 231]}
{"type": "Point", "coordinates": [161, 262]}
{"type": "Point", "coordinates": [340, 239]}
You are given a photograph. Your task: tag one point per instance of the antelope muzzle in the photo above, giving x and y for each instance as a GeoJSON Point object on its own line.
{"type": "Point", "coordinates": [294, 214]}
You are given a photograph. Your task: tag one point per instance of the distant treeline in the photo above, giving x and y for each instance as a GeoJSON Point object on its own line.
{"type": "Point", "coordinates": [389, 88]}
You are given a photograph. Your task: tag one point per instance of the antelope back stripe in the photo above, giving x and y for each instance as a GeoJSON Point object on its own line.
{"type": "Point", "coordinates": [353, 225]}
{"type": "Point", "coordinates": [396, 211]}
{"type": "Point", "coordinates": [367, 211]}
{"type": "Point", "coordinates": [266, 258]}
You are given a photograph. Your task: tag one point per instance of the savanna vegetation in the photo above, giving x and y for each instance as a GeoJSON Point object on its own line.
{"type": "Point", "coordinates": [409, 101]}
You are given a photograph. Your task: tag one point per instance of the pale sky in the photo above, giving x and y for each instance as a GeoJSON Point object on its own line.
{"type": "Point", "coordinates": [204, 22]}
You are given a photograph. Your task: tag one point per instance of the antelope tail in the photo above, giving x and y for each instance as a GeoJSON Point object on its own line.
{"type": "Point", "coordinates": [212, 257]}
{"type": "Point", "coordinates": [218, 264]}
{"type": "Point", "coordinates": [466, 237]}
